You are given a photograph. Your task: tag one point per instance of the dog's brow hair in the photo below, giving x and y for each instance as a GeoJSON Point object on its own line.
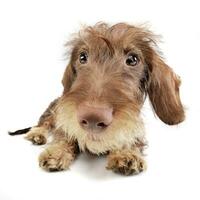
{"type": "Point", "coordinates": [109, 45]}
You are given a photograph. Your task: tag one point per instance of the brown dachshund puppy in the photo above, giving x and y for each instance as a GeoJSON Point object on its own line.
{"type": "Point", "coordinates": [111, 71]}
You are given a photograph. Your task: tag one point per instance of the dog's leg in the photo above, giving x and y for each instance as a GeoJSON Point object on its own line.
{"type": "Point", "coordinates": [126, 161]}
{"type": "Point", "coordinates": [39, 134]}
{"type": "Point", "coordinates": [60, 154]}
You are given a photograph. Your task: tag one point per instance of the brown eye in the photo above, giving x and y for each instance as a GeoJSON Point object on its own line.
{"type": "Point", "coordinates": [132, 60]}
{"type": "Point", "coordinates": [83, 57]}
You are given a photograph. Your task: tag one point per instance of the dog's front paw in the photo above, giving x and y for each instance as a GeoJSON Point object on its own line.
{"type": "Point", "coordinates": [126, 162]}
{"type": "Point", "coordinates": [37, 135]}
{"type": "Point", "coordinates": [55, 158]}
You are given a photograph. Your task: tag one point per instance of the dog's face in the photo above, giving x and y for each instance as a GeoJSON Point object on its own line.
{"type": "Point", "coordinates": [111, 71]}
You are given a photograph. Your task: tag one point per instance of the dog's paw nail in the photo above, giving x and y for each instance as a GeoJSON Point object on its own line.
{"type": "Point", "coordinates": [53, 169]}
{"type": "Point", "coordinates": [44, 163]}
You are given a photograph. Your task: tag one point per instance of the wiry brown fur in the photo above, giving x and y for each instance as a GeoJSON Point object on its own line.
{"type": "Point", "coordinates": [60, 154]}
{"type": "Point", "coordinates": [106, 80]}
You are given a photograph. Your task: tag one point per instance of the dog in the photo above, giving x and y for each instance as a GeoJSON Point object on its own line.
{"type": "Point", "coordinates": [111, 71]}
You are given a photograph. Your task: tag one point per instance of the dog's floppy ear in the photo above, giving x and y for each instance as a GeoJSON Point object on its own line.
{"type": "Point", "coordinates": [163, 91]}
{"type": "Point", "coordinates": [68, 77]}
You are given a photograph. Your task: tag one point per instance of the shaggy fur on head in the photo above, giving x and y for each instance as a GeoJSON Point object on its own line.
{"type": "Point", "coordinates": [106, 78]}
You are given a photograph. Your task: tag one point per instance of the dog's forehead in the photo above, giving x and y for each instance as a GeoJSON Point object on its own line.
{"type": "Point", "coordinates": [118, 36]}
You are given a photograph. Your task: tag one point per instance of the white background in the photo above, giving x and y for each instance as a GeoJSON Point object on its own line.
{"type": "Point", "coordinates": [32, 35]}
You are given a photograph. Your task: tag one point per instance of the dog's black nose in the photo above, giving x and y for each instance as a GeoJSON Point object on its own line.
{"type": "Point", "coordinates": [94, 119]}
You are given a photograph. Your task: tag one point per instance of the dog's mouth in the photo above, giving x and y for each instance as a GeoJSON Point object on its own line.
{"type": "Point", "coordinates": [93, 136]}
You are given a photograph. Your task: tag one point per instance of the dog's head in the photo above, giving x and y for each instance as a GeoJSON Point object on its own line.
{"type": "Point", "coordinates": [111, 70]}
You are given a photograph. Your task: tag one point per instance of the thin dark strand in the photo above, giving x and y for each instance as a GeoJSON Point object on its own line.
{"type": "Point", "coordinates": [20, 132]}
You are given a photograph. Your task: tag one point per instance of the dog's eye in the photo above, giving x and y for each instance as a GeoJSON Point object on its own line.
{"type": "Point", "coordinates": [132, 60]}
{"type": "Point", "coordinates": [83, 57]}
